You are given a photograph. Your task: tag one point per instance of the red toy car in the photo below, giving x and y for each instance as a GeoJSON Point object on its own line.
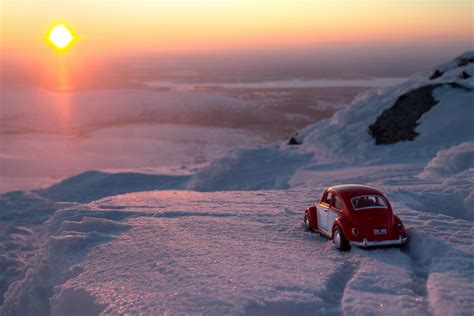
{"type": "Point", "coordinates": [355, 214]}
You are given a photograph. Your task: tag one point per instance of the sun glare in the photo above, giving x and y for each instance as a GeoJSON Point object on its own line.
{"type": "Point", "coordinates": [60, 36]}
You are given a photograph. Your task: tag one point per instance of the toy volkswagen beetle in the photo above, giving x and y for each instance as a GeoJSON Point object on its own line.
{"type": "Point", "coordinates": [353, 214]}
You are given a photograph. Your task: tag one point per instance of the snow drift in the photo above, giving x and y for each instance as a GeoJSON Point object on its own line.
{"type": "Point", "coordinates": [450, 161]}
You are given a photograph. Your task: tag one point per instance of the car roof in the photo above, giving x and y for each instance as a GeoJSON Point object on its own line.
{"type": "Point", "coordinates": [347, 191]}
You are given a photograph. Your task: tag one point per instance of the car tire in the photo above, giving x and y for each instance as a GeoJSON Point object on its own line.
{"type": "Point", "coordinates": [339, 240]}
{"type": "Point", "coordinates": [306, 221]}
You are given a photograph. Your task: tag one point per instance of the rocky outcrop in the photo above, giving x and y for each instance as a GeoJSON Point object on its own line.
{"type": "Point", "coordinates": [458, 62]}
{"type": "Point", "coordinates": [464, 75]}
{"type": "Point", "coordinates": [436, 74]}
{"type": "Point", "coordinates": [399, 122]}
{"type": "Point", "coordinates": [294, 141]}
{"type": "Point", "coordinates": [464, 61]}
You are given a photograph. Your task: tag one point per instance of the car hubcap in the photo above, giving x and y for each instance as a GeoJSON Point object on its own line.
{"type": "Point", "coordinates": [337, 239]}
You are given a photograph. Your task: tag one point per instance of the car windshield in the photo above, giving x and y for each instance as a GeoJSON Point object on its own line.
{"type": "Point", "coordinates": [368, 201]}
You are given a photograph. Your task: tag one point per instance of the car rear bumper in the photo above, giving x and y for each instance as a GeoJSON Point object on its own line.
{"type": "Point", "coordinates": [392, 242]}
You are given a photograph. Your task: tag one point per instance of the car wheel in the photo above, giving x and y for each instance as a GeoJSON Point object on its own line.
{"type": "Point", "coordinates": [340, 242]}
{"type": "Point", "coordinates": [306, 221]}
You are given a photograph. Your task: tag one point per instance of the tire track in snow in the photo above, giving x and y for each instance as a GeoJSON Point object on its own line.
{"type": "Point", "coordinates": [420, 274]}
{"type": "Point", "coordinates": [381, 283]}
{"type": "Point", "coordinates": [336, 285]}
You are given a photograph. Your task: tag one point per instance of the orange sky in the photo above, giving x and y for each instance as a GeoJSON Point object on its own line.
{"type": "Point", "coordinates": [133, 26]}
{"type": "Point", "coordinates": [129, 27]}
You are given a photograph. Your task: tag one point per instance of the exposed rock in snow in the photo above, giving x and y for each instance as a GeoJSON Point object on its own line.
{"type": "Point", "coordinates": [436, 74]}
{"type": "Point", "coordinates": [294, 140]}
{"type": "Point", "coordinates": [399, 122]}
{"type": "Point", "coordinates": [464, 75]}
{"type": "Point", "coordinates": [461, 61]}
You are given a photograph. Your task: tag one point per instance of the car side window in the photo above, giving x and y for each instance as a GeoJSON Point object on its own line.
{"type": "Point", "coordinates": [327, 200]}
{"type": "Point", "coordinates": [336, 203]}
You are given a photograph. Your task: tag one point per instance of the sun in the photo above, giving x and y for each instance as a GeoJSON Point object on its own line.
{"type": "Point", "coordinates": [60, 36]}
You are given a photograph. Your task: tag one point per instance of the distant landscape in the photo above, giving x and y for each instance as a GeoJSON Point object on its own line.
{"type": "Point", "coordinates": [237, 157]}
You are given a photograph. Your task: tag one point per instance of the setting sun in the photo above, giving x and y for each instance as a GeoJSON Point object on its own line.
{"type": "Point", "coordinates": [60, 36]}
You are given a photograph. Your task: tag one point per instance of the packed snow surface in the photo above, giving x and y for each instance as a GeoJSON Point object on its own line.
{"type": "Point", "coordinates": [229, 239]}
{"type": "Point", "coordinates": [235, 252]}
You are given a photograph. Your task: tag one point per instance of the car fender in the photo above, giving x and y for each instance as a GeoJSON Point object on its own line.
{"type": "Point", "coordinates": [345, 224]}
{"type": "Point", "coordinates": [397, 221]}
{"type": "Point", "coordinates": [313, 218]}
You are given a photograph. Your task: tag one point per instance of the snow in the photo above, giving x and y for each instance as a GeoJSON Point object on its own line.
{"type": "Point", "coordinates": [239, 172]}
{"type": "Point", "coordinates": [91, 224]}
{"type": "Point", "coordinates": [92, 185]}
{"type": "Point", "coordinates": [228, 238]}
{"type": "Point", "coordinates": [238, 252]}
{"type": "Point", "coordinates": [344, 136]}
{"type": "Point", "coordinates": [450, 161]}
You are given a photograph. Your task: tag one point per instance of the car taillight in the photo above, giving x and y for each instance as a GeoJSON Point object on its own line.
{"type": "Point", "coordinates": [355, 231]}
{"type": "Point", "coordinates": [400, 228]}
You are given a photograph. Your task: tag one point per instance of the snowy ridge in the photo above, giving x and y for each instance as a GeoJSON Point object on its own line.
{"type": "Point", "coordinates": [93, 185]}
{"type": "Point", "coordinates": [95, 243]}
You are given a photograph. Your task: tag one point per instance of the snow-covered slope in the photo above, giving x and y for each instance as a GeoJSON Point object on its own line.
{"type": "Point", "coordinates": [345, 139]}
{"type": "Point", "coordinates": [245, 251]}
{"type": "Point", "coordinates": [180, 252]}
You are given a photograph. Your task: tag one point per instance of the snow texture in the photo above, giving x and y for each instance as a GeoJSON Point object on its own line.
{"type": "Point", "coordinates": [237, 252]}
{"type": "Point", "coordinates": [450, 161]}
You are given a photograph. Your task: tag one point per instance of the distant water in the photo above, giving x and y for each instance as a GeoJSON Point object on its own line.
{"type": "Point", "coordinates": [47, 136]}
{"type": "Point", "coordinates": [282, 84]}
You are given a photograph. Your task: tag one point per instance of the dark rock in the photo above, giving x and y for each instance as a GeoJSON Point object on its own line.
{"type": "Point", "coordinates": [436, 74]}
{"type": "Point", "coordinates": [464, 61]}
{"type": "Point", "coordinates": [464, 75]}
{"type": "Point", "coordinates": [399, 122]}
{"type": "Point", "coordinates": [294, 141]}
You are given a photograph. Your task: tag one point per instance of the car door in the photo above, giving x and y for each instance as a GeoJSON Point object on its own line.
{"type": "Point", "coordinates": [335, 209]}
{"type": "Point", "coordinates": [323, 209]}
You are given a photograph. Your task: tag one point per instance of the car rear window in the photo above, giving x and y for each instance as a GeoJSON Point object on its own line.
{"type": "Point", "coordinates": [368, 201]}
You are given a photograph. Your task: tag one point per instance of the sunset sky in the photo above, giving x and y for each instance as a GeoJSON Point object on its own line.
{"type": "Point", "coordinates": [109, 28]}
